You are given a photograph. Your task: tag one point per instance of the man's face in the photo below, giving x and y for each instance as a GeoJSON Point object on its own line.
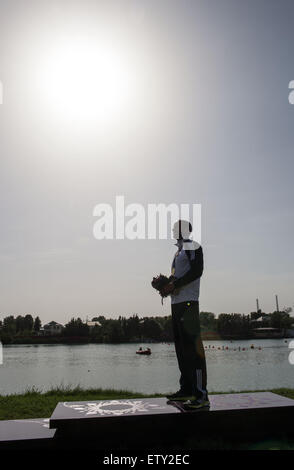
{"type": "Point", "coordinates": [184, 231]}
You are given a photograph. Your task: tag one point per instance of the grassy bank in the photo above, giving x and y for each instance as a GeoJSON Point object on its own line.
{"type": "Point", "coordinates": [35, 404]}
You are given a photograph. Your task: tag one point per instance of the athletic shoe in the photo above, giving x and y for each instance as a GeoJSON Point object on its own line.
{"type": "Point", "coordinates": [196, 404]}
{"type": "Point", "coordinates": [180, 396]}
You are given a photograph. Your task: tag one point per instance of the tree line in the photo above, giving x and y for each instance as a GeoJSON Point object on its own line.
{"type": "Point", "coordinates": [134, 329]}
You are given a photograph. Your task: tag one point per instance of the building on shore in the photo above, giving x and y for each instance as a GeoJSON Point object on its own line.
{"type": "Point", "coordinates": [50, 329]}
{"type": "Point", "coordinates": [270, 332]}
{"type": "Point", "coordinates": [92, 324]}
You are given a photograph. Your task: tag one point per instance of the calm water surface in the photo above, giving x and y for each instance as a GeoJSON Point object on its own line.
{"type": "Point", "coordinates": [117, 366]}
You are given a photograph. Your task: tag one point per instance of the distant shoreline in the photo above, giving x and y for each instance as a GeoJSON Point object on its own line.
{"type": "Point", "coordinates": [82, 340]}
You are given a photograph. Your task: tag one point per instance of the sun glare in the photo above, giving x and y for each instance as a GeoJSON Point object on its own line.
{"type": "Point", "coordinates": [82, 80]}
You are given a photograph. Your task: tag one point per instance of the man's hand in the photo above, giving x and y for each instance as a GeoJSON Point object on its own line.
{"type": "Point", "coordinates": [167, 289]}
{"type": "Point", "coordinates": [164, 285]}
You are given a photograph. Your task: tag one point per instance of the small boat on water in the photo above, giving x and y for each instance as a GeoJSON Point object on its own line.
{"type": "Point", "coordinates": [144, 351]}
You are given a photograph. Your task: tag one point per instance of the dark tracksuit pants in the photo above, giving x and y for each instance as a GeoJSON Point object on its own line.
{"type": "Point", "coordinates": [189, 348]}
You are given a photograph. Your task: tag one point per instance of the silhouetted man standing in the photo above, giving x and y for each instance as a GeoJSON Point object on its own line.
{"type": "Point", "coordinates": [187, 268]}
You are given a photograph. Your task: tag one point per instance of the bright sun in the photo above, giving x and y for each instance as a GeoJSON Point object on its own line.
{"type": "Point", "coordinates": [84, 81]}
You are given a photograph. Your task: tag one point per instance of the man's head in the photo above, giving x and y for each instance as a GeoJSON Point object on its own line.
{"type": "Point", "coordinates": [182, 230]}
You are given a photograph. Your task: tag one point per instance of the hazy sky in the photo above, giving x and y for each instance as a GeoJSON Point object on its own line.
{"type": "Point", "coordinates": [195, 110]}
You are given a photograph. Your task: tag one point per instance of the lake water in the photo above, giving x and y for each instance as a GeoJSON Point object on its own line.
{"type": "Point", "coordinates": [118, 367]}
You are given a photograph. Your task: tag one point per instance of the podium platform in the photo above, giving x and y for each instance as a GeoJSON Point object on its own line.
{"type": "Point", "coordinates": [254, 414]}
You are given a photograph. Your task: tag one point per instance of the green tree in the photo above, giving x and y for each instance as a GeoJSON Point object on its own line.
{"type": "Point", "coordinates": [96, 333]}
{"type": "Point", "coordinates": [233, 324]}
{"type": "Point", "coordinates": [76, 328]}
{"type": "Point", "coordinates": [19, 324]}
{"type": "Point", "coordinates": [207, 320]}
{"type": "Point", "coordinates": [114, 332]}
{"type": "Point", "coordinates": [167, 328]}
{"type": "Point", "coordinates": [37, 324]}
{"type": "Point", "coordinates": [28, 323]}
{"type": "Point", "coordinates": [280, 320]}
{"type": "Point", "coordinates": [132, 328]}
{"type": "Point", "coordinates": [151, 329]}
{"type": "Point", "coordinates": [9, 325]}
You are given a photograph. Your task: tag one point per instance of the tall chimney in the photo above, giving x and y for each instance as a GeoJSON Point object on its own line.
{"type": "Point", "coordinates": [277, 304]}
{"type": "Point", "coordinates": [257, 306]}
